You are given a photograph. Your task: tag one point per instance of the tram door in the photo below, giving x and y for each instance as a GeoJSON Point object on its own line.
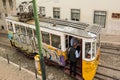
{"type": "Point", "coordinates": [69, 43]}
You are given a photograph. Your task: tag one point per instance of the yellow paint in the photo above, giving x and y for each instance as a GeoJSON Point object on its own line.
{"type": "Point", "coordinates": [89, 67]}
{"type": "Point", "coordinates": [65, 55]}
{"type": "Point", "coordinates": [37, 64]}
{"type": "Point", "coordinates": [58, 51]}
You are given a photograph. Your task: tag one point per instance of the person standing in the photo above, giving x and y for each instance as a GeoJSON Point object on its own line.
{"type": "Point", "coordinates": [73, 55]}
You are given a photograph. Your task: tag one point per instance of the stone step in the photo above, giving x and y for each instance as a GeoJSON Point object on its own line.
{"type": "Point", "coordinates": [110, 45]}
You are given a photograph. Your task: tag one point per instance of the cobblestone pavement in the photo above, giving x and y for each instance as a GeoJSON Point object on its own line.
{"type": "Point", "coordinates": [11, 72]}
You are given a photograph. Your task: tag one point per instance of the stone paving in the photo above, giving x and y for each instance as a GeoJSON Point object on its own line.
{"type": "Point", "coordinates": [113, 39]}
{"type": "Point", "coordinates": [11, 72]}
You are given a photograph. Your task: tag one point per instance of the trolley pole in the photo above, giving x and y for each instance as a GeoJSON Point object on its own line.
{"type": "Point", "coordinates": [39, 40]}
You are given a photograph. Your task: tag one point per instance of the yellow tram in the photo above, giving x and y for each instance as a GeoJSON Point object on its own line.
{"type": "Point", "coordinates": [56, 36]}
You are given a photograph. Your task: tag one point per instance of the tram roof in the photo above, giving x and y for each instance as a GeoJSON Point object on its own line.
{"type": "Point", "coordinates": [74, 28]}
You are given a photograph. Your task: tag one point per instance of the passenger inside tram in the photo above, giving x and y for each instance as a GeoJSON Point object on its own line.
{"type": "Point", "coordinates": [88, 50]}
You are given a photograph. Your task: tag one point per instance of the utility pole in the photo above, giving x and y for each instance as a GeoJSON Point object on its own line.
{"type": "Point", "coordinates": [39, 40]}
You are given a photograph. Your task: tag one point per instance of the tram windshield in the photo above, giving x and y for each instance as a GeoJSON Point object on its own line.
{"type": "Point", "coordinates": [90, 49]}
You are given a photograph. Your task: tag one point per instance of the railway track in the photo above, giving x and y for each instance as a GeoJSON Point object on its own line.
{"type": "Point", "coordinates": [101, 76]}
{"type": "Point", "coordinates": [108, 70]}
{"type": "Point", "coordinates": [112, 49]}
{"type": "Point", "coordinates": [107, 76]}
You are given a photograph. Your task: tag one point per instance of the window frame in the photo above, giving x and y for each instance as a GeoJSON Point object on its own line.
{"type": "Point", "coordinates": [42, 11]}
{"type": "Point", "coordinates": [29, 31]}
{"type": "Point", "coordinates": [73, 12]}
{"type": "Point", "coordinates": [21, 8]}
{"type": "Point", "coordinates": [59, 46]}
{"type": "Point", "coordinates": [48, 37]}
{"type": "Point", "coordinates": [23, 30]}
{"type": "Point", "coordinates": [17, 28]}
{"type": "Point", "coordinates": [30, 8]}
{"type": "Point", "coordinates": [56, 10]}
{"type": "Point", "coordinates": [98, 13]}
{"type": "Point", "coordinates": [91, 52]}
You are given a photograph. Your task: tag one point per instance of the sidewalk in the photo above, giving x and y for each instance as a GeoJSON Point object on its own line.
{"type": "Point", "coordinates": [11, 72]}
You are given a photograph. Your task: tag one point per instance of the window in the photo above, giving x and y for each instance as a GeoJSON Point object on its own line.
{"type": "Point", "coordinates": [75, 14]}
{"type": "Point", "coordinates": [30, 7]}
{"type": "Point", "coordinates": [23, 30]}
{"type": "Point", "coordinates": [11, 4]}
{"type": "Point", "coordinates": [88, 50]}
{"type": "Point", "coordinates": [93, 49]}
{"type": "Point", "coordinates": [35, 39]}
{"type": "Point", "coordinates": [4, 3]}
{"type": "Point", "coordinates": [29, 31]}
{"type": "Point", "coordinates": [55, 39]}
{"type": "Point", "coordinates": [45, 37]}
{"type": "Point", "coordinates": [17, 28]}
{"type": "Point", "coordinates": [100, 17]}
{"type": "Point", "coordinates": [56, 12]}
{"type": "Point", "coordinates": [21, 8]}
{"type": "Point", "coordinates": [42, 11]}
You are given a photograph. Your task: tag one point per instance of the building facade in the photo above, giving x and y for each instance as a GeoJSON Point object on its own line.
{"type": "Point", "coordinates": [7, 8]}
{"type": "Point", "coordinates": [103, 12]}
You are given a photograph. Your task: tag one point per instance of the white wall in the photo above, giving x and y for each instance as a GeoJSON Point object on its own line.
{"type": "Point", "coordinates": [87, 8]}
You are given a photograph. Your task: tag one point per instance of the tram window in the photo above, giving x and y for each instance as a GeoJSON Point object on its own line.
{"type": "Point", "coordinates": [35, 32]}
{"type": "Point", "coordinates": [56, 41]}
{"type": "Point", "coordinates": [17, 28]}
{"type": "Point", "coordinates": [29, 31]}
{"type": "Point", "coordinates": [23, 30]}
{"type": "Point", "coordinates": [10, 26]}
{"type": "Point", "coordinates": [93, 49]}
{"type": "Point", "coordinates": [45, 37]}
{"type": "Point", "coordinates": [88, 50]}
